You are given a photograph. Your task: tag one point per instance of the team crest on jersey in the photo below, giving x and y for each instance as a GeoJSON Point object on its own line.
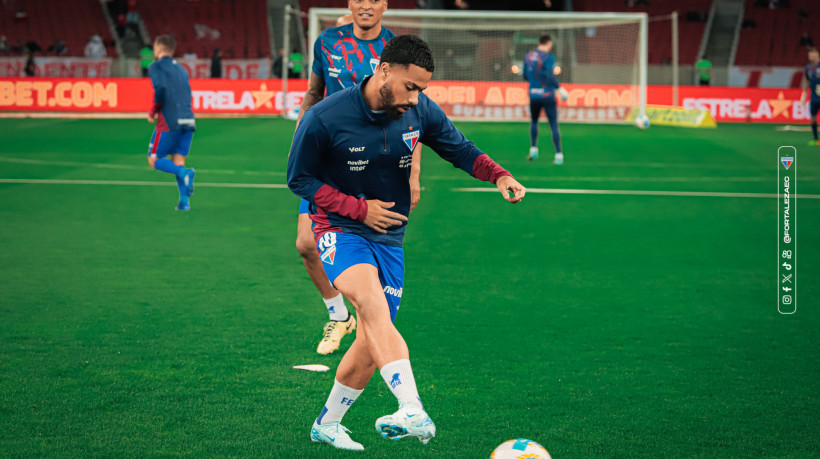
{"type": "Point", "coordinates": [374, 63]}
{"type": "Point", "coordinates": [411, 139]}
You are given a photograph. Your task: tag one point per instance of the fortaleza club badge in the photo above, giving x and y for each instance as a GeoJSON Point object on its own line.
{"type": "Point", "coordinates": [787, 161]}
{"type": "Point", "coordinates": [374, 63]}
{"type": "Point", "coordinates": [329, 255]}
{"type": "Point", "coordinates": [411, 139]}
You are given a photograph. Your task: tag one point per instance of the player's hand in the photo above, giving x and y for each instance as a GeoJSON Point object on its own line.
{"type": "Point", "coordinates": [507, 185]}
{"type": "Point", "coordinates": [415, 193]}
{"type": "Point", "coordinates": [150, 119]}
{"type": "Point", "coordinates": [379, 219]}
{"type": "Point", "coordinates": [556, 70]}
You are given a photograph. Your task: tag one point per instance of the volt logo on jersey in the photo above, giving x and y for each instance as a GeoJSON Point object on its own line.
{"type": "Point", "coordinates": [411, 139]}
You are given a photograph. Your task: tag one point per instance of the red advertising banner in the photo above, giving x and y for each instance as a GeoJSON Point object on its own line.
{"type": "Point", "coordinates": [130, 95]}
{"type": "Point", "coordinates": [461, 100]}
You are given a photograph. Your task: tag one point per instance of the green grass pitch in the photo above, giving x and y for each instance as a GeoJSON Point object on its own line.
{"type": "Point", "coordinates": [600, 325]}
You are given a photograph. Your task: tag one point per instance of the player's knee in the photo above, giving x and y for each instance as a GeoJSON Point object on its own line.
{"type": "Point", "coordinates": [152, 161]}
{"type": "Point", "coordinates": [306, 247]}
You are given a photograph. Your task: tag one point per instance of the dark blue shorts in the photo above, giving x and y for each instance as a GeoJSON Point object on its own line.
{"type": "Point", "coordinates": [164, 143]}
{"type": "Point", "coordinates": [339, 251]}
{"type": "Point", "coordinates": [814, 107]}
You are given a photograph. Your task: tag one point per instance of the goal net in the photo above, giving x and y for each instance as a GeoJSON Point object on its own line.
{"type": "Point", "coordinates": [479, 59]}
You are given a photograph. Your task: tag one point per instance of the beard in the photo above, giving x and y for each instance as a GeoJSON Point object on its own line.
{"type": "Point", "coordinates": [389, 101]}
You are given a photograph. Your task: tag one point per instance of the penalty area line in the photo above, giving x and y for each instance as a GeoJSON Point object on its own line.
{"type": "Point", "coordinates": [139, 183]}
{"type": "Point", "coordinates": [709, 194]}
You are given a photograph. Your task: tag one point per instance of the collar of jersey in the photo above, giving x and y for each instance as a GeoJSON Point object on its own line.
{"type": "Point", "coordinates": [363, 108]}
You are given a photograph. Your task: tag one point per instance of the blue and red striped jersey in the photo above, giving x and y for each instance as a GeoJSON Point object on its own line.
{"type": "Point", "coordinates": [343, 60]}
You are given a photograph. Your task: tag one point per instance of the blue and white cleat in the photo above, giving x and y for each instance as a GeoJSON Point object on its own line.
{"type": "Point", "coordinates": [183, 205]}
{"type": "Point", "coordinates": [533, 154]}
{"type": "Point", "coordinates": [188, 180]}
{"type": "Point", "coordinates": [559, 158]}
{"type": "Point", "coordinates": [408, 421]}
{"type": "Point", "coordinates": [334, 434]}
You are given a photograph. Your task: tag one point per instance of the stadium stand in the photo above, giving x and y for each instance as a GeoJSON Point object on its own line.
{"type": "Point", "coordinates": [46, 21]}
{"type": "Point", "coordinates": [660, 32]}
{"type": "Point", "coordinates": [775, 38]}
{"type": "Point", "coordinates": [240, 29]}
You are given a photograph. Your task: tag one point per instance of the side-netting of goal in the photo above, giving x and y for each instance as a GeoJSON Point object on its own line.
{"type": "Point", "coordinates": [479, 59]}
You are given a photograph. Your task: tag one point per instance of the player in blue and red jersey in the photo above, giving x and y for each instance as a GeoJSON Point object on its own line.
{"type": "Point", "coordinates": [811, 82]}
{"type": "Point", "coordinates": [343, 57]}
{"type": "Point", "coordinates": [171, 140]}
{"type": "Point", "coordinates": [350, 159]}
{"type": "Point", "coordinates": [540, 71]}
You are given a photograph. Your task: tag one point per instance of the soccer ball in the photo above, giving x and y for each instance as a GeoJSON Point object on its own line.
{"type": "Point", "coordinates": [520, 448]}
{"type": "Point", "coordinates": [642, 121]}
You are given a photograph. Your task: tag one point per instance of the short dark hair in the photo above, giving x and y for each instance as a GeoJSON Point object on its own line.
{"type": "Point", "coordinates": [544, 39]}
{"type": "Point", "coordinates": [408, 49]}
{"type": "Point", "coordinates": [168, 41]}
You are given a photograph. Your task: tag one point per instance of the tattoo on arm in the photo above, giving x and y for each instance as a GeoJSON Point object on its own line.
{"type": "Point", "coordinates": [314, 94]}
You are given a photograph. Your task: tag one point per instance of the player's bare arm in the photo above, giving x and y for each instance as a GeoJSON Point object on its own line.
{"type": "Point", "coordinates": [506, 185]}
{"type": "Point", "coordinates": [314, 94]}
{"type": "Point", "coordinates": [379, 218]}
{"type": "Point", "coordinates": [804, 86]}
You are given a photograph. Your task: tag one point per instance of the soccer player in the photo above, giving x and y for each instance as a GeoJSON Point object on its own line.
{"type": "Point", "coordinates": [343, 57]}
{"type": "Point", "coordinates": [350, 159]}
{"type": "Point", "coordinates": [811, 82]}
{"type": "Point", "coordinates": [540, 72]}
{"type": "Point", "coordinates": [171, 140]}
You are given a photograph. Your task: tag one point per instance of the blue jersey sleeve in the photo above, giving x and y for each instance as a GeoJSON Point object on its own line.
{"type": "Point", "coordinates": [158, 82]}
{"type": "Point", "coordinates": [318, 58]}
{"type": "Point", "coordinates": [304, 159]}
{"type": "Point", "coordinates": [442, 136]}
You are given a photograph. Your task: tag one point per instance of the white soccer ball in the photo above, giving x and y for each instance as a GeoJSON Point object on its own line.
{"type": "Point", "coordinates": [520, 448]}
{"type": "Point", "coordinates": [642, 121]}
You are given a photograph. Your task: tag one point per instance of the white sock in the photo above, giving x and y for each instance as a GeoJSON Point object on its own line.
{"type": "Point", "coordinates": [559, 155]}
{"type": "Point", "coordinates": [338, 402]}
{"type": "Point", "coordinates": [337, 309]}
{"type": "Point", "coordinates": [399, 378]}
{"type": "Point", "coordinates": [533, 150]}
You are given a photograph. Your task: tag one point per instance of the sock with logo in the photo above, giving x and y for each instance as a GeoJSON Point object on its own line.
{"type": "Point", "coordinates": [399, 378]}
{"type": "Point", "coordinates": [338, 402]}
{"type": "Point", "coordinates": [814, 129]}
{"type": "Point", "coordinates": [337, 309]}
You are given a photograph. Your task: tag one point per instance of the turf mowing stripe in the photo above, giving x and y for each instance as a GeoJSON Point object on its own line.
{"type": "Point", "coordinates": [122, 166]}
{"type": "Point", "coordinates": [138, 183]}
{"type": "Point", "coordinates": [468, 190]}
{"type": "Point", "coordinates": [643, 193]}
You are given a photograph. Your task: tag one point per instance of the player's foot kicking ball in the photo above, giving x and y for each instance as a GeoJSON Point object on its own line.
{"type": "Point", "coordinates": [334, 434]}
{"type": "Point", "coordinates": [334, 332]}
{"type": "Point", "coordinates": [408, 421]}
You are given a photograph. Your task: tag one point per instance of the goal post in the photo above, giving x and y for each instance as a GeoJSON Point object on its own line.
{"type": "Point", "coordinates": [479, 59]}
